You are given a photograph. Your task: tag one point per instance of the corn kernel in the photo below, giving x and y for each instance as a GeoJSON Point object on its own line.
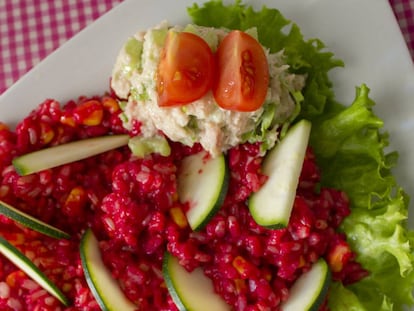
{"type": "Point", "coordinates": [242, 266]}
{"type": "Point", "coordinates": [68, 120]}
{"type": "Point", "coordinates": [95, 118]}
{"type": "Point", "coordinates": [46, 133]}
{"type": "Point", "coordinates": [339, 256]}
{"type": "Point", "coordinates": [66, 287]}
{"type": "Point", "coordinates": [110, 104]}
{"type": "Point", "coordinates": [3, 127]}
{"type": "Point", "coordinates": [4, 191]}
{"type": "Point", "coordinates": [16, 238]}
{"type": "Point", "coordinates": [240, 285]}
{"type": "Point", "coordinates": [268, 275]}
{"type": "Point", "coordinates": [174, 197]}
{"type": "Point", "coordinates": [89, 113]}
{"type": "Point", "coordinates": [13, 277]}
{"type": "Point", "coordinates": [178, 217]}
{"type": "Point", "coordinates": [302, 261]}
{"type": "Point", "coordinates": [76, 195]}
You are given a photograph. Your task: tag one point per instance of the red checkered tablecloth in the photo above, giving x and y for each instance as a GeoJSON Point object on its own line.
{"type": "Point", "coordinates": [32, 29]}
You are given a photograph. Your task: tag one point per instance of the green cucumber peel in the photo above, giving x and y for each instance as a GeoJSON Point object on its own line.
{"type": "Point", "coordinates": [31, 222]}
{"type": "Point", "coordinates": [26, 265]}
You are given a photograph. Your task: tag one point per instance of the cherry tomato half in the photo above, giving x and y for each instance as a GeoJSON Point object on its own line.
{"type": "Point", "coordinates": [243, 74]}
{"type": "Point", "coordinates": [186, 69]}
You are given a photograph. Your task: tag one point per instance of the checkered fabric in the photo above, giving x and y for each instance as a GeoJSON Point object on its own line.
{"type": "Point", "coordinates": [404, 12]}
{"type": "Point", "coordinates": [32, 29]}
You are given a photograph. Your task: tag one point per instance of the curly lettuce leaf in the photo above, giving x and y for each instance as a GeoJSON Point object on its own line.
{"type": "Point", "coordinates": [349, 146]}
{"type": "Point", "coordinates": [350, 149]}
{"type": "Point", "coordinates": [345, 299]}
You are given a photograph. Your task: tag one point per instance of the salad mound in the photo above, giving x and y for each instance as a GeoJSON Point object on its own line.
{"type": "Point", "coordinates": [204, 118]}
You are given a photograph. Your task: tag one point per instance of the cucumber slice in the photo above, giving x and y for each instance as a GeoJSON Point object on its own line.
{"type": "Point", "coordinates": [31, 222]}
{"type": "Point", "coordinates": [24, 263]}
{"type": "Point", "coordinates": [103, 286]}
{"type": "Point", "coordinates": [203, 182]}
{"type": "Point", "coordinates": [66, 153]}
{"type": "Point", "coordinates": [310, 289]}
{"type": "Point", "coordinates": [271, 206]}
{"type": "Point", "coordinates": [190, 291]}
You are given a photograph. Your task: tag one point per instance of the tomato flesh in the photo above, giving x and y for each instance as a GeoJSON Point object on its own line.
{"type": "Point", "coordinates": [186, 69]}
{"type": "Point", "coordinates": [243, 75]}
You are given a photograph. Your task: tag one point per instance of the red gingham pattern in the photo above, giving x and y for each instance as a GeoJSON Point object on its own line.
{"type": "Point", "coordinates": [32, 29]}
{"type": "Point", "coordinates": [404, 12]}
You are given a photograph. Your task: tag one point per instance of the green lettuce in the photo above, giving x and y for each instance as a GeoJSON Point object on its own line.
{"type": "Point", "coordinates": [349, 144]}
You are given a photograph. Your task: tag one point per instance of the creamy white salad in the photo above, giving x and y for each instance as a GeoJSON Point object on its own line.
{"type": "Point", "coordinates": [216, 129]}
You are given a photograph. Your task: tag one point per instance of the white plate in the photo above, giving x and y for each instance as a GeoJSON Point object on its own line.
{"type": "Point", "coordinates": [364, 34]}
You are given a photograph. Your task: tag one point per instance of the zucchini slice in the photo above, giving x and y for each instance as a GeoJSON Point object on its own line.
{"type": "Point", "coordinates": [190, 291]}
{"type": "Point", "coordinates": [271, 206]}
{"type": "Point", "coordinates": [66, 153]}
{"type": "Point", "coordinates": [31, 222]}
{"type": "Point", "coordinates": [310, 289]}
{"type": "Point", "coordinates": [26, 265]}
{"type": "Point", "coordinates": [103, 286]}
{"type": "Point", "coordinates": [202, 182]}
